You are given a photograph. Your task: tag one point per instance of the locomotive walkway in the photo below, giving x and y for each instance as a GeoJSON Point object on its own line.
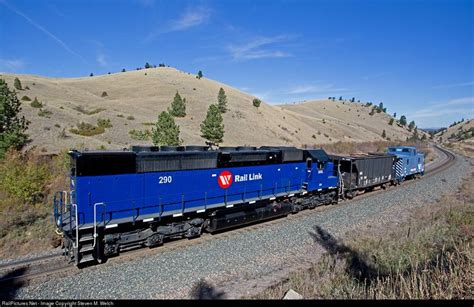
{"type": "Point", "coordinates": [244, 261]}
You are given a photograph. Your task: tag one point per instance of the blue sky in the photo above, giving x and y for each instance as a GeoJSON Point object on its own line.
{"type": "Point", "coordinates": [415, 56]}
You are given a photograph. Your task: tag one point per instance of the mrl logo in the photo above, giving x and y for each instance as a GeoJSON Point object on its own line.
{"type": "Point", "coordinates": [226, 178]}
{"type": "Point", "coordinates": [248, 177]}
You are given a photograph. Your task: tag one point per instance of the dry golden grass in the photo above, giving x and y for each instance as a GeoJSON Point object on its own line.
{"type": "Point", "coordinates": [136, 95]}
{"type": "Point", "coordinates": [431, 257]}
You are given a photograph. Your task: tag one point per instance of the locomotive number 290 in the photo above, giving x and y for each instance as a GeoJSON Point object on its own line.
{"type": "Point", "coordinates": [165, 179]}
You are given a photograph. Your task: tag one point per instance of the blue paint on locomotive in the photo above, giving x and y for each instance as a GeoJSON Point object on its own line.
{"type": "Point", "coordinates": [139, 196]}
{"type": "Point", "coordinates": [409, 161]}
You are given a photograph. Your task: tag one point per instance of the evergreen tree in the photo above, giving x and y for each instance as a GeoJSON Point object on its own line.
{"type": "Point", "coordinates": [178, 106]}
{"type": "Point", "coordinates": [395, 115]}
{"type": "Point", "coordinates": [256, 102]}
{"type": "Point", "coordinates": [91, 75]}
{"type": "Point", "coordinates": [403, 120]}
{"type": "Point", "coordinates": [12, 127]}
{"type": "Point", "coordinates": [199, 75]}
{"type": "Point", "coordinates": [212, 127]}
{"type": "Point", "coordinates": [222, 100]}
{"type": "Point", "coordinates": [123, 70]}
{"type": "Point", "coordinates": [411, 125]}
{"type": "Point", "coordinates": [340, 98]}
{"type": "Point", "coordinates": [17, 84]}
{"type": "Point", "coordinates": [147, 65]}
{"type": "Point", "coordinates": [166, 132]}
{"type": "Point", "coordinates": [384, 135]}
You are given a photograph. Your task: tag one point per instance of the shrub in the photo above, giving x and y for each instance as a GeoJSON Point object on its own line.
{"type": "Point", "coordinates": [24, 177]}
{"type": "Point", "coordinates": [27, 87]}
{"type": "Point", "coordinates": [390, 122]}
{"type": "Point", "coordinates": [36, 103]}
{"type": "Point", "coordinates": [384, 135]}
{"type": "Point", "coordinates": [25, 98]}
{"type": "Point", "coordinates": [199, 75]}
{"type": "Point", "coordinates": [104, 123]}
{"type": "Point", "coordinates": [87, 129]}
{"type": "Point", "coordinates": [140, 135]}
{"type": "Point", "coordinates": [120, 115]}
{"type": "Point", "coordinates": [17, 84]}
{"type": "Point", "coordinates": [104, 94]}
{"type": "Point", "coordinates": [88, 112]}
{"type": "Point", "coordinates": [130, 117]}
{"type": "Point", "coordinates": [256, 102]}
{"type": "Point", "coordinates": [44, 113]}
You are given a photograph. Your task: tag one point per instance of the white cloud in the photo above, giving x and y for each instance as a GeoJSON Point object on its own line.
{"type": "Point", "coordinates": [453, 106]}
{"type": "Point", "coordinates": [258, 49]}
{"type": "Point", "coordinates": [445, 86]}
{"type": "Point", "coordinates": [12, 64]}
{"type": "Point", "coordinates": [192, 17]}
{"type": "Point", "coordinates": [43, 29]}
{"type": "Point", "coordinates": [315, 88]}
{"type": "Point", "coordinates": [100, 58]}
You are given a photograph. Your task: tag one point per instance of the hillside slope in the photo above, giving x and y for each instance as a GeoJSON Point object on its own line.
{"type": "Point", "coordinates": [134, 100]}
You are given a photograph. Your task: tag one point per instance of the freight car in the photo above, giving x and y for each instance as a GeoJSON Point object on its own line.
{"type": "Point", "coordinates": [364, 172]}
{"type": "Point", "coordinates": [145, 196]}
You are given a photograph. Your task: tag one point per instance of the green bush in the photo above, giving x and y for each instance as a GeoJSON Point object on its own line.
{"type": "Point", "coordinates": [44, 113]}
{"type": "Point", "coordinates": [36, 103]}
{"type": "Point", "coordinates": [104, 123]}
{"type": "Point", "coordinates": [140, 135]}
{"type": "Point", "coordinates": [25, 98]}
{"type": "Point", "coordinates": [130, 117]}
{"type": "Point", "coordinates": [104, 94]}
{"type": "Point", "coordinates": [17, 84]}
{"type": "Point", "coordinates": [87, 129]}
{"type": "Point", "coordinates": [88, 112]}
{"type": "Point", "coordinates": [256, 102]}
{"type": "Point", "coordinates": [24, 177]}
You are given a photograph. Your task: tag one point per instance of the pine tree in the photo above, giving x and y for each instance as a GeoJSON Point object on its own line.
{"type": "Point", "coordinates": [17, 84]}
{"type": "Point", "coordinates": [147, 65]}
{"type": "Point", "coordinates": [123, 70]}
{"type": "Point", "coordinates": [178, 106]}
{"type": "Point", "coordinates": [384, 135]}
{"type": "Point", "coordinates": [12, 127]}
{"type": "Point", "coordinates": [199, 75]}
{"type": "Point", "coordinates": [403, 120]}
{"type": "Point", "coordinates": [411, 125]}
{"type": "Point", "coordinates": [166, 132]}
{"type": "Point", "coordinates": [212, 127]}
{"type": "Point", "coordinates": [222, 100]}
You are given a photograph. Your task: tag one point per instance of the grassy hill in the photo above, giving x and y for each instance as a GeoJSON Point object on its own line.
{"type": "Point", "coordinates": [133, 100]}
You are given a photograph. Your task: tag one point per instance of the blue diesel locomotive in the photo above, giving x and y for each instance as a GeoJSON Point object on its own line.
{"type": "Point", "coordinates": [145, 196]}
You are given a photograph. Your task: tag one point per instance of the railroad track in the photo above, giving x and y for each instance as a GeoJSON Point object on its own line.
{"type": "Point", "coordinates": [21, 273]}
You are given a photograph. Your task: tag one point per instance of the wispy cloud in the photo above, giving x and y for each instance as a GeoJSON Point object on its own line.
{"type": "Point", "coordinates": [445, 86]}
{"type": "Point", "coordinates": [11, 64]}
{"type": "Point", "coordinates": [315, 88]}
{"type": "Point", "coordinates": [42, 29]}
{"type": "Point", "coordinates": [258, 48]}
{"type": "Point", "coordinates": [192, 17]}
{"type": "Point", "coordinates": [462, 106]}
{"type": "Point", "coordinates": [100, 58]}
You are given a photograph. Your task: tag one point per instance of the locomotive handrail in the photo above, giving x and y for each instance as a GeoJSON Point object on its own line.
{"type": "Point", "coordinates": [95, 221]}
{"type": "Point", "coordinates": [76, 245]}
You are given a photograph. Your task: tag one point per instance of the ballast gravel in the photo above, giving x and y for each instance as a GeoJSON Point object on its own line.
{"type": "Point", "coordinates": [245, 255]}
